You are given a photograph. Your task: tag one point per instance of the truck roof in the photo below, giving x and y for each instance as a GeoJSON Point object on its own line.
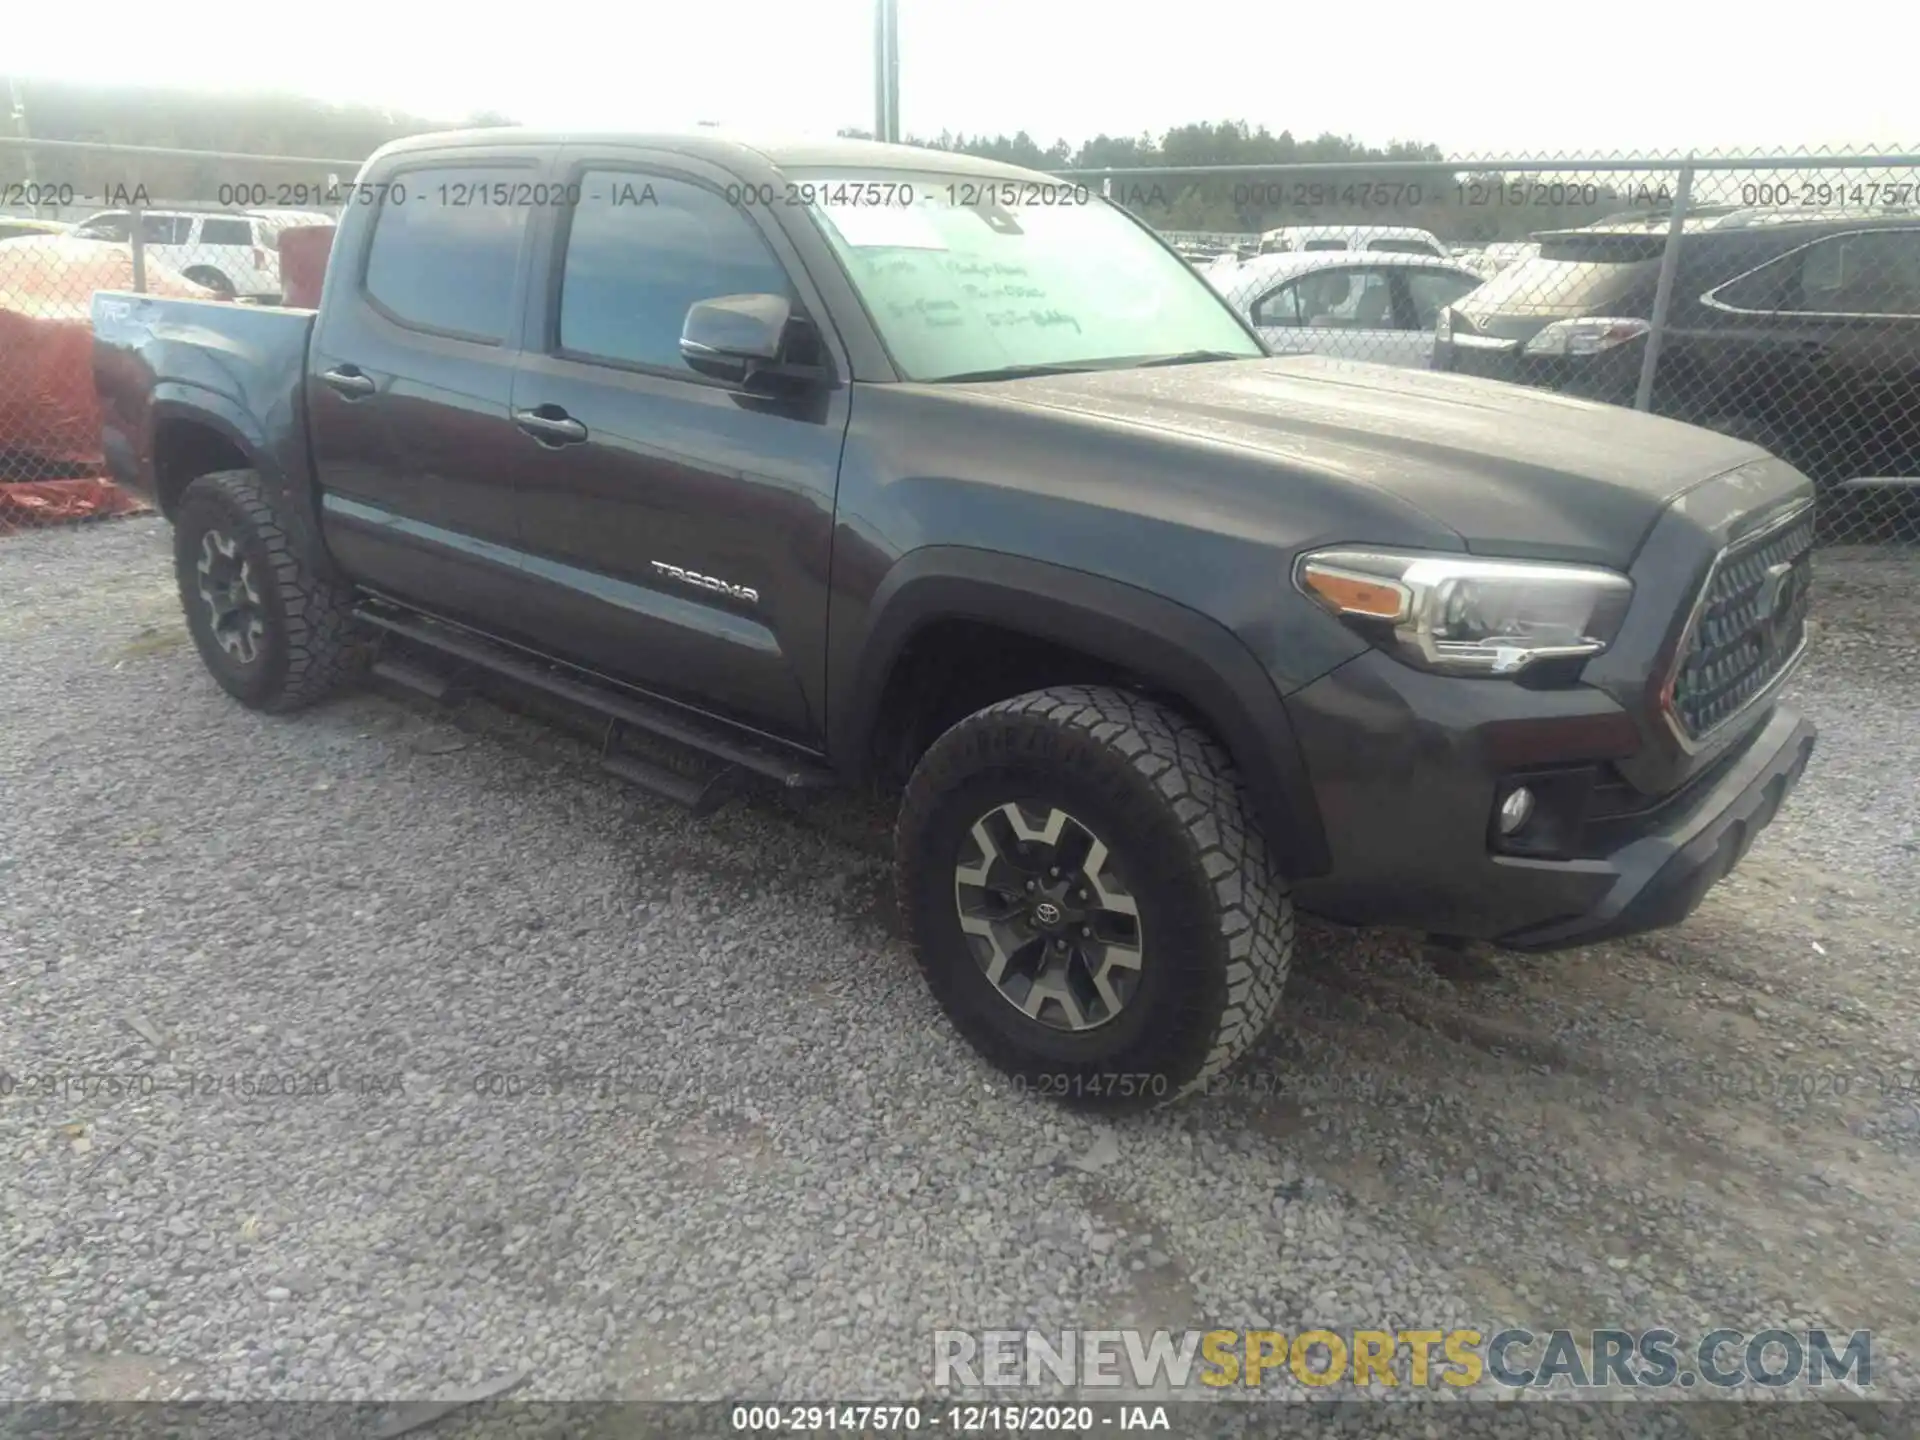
{"type": "Point", "coordinates": [721, 146]}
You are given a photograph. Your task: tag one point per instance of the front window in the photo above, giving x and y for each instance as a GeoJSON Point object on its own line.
{"type": "Point", "coordinates": [974, 277]}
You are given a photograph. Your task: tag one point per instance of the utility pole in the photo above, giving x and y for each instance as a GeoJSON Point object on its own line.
{"type": "Point", "coordinates": [18, 105]}
{"type": "Point", "coordinates": [886, 70]}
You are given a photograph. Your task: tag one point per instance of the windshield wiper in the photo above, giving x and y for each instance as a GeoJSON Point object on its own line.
{"type": "Point", "coordinates": [1130, 362]}
{"type": "Point", "coordinates": [1017, 372]}
{"type": "Point", "coordinates": [1190, 357]}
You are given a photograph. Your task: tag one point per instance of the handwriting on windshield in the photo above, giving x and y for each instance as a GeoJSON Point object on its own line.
{"type": "Point", "coordinates": [1007, 292]}
{"type": "Point", "coordinates": [934, 314]}
{"type": "Point", "coordinates": [984, 267]}
{"type": "Point", "coordinates": [1039, 319]}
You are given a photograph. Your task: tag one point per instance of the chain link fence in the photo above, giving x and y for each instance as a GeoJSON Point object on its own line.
{"type": "Point", "coordinates": [77, 218]}
{"type": "Point", "coordinates": [1774, 298]}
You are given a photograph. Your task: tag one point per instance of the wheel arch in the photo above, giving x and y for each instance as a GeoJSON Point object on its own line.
{"type": "Point", "coordinates": [195, 438]}
{"type": "Point", "coordinates": [197, 432]}
{"type": "Point", "coordinates": [1164, 646]}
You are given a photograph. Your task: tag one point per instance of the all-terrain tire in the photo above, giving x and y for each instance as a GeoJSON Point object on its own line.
{"type": "Point", "coordinates": [310, 646]}
{"type": "Point", "coordinates": [1215, 920]}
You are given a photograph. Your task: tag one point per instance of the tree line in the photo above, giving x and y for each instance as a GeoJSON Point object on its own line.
{"type": "Point", "coordinates": [1469, 204]}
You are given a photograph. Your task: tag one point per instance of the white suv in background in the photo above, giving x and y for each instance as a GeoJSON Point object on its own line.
{"type": "Point", "coordinates": [1381, 306]}
{"type": "Point", "coordinates": [231, 254]}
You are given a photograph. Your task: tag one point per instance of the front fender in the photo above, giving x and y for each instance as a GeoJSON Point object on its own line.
{"type": "Point", "coordinates": [1165, 644]}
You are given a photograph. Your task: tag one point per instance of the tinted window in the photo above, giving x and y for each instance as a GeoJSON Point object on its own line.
{"type": "Point", "coordinates": [225, 232]}
{"type": "Point", "coordinates": [1432, 290]}
{"type": "Point", "coordinates": [1874, 272]}
{"type": "Point", "coordinates": [443, 256]}
{"type": "Point", "coordinates": [640, 251]}
{"type": "Point", "coordinates": [1324, 245]}
{"type": "Point", "coordinates": [1402, 247]}
{"type": "Point", "coordinates": [1771, 287]}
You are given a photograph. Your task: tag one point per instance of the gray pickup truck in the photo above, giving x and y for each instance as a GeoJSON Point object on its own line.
{"type": "Point", "coordinates": [844, 462]}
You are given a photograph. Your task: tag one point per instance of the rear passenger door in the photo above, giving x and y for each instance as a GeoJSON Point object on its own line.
{"type": "Point", "coordinates": [679, 541]}
{"type": "Point", "coordinates": [409, 379]}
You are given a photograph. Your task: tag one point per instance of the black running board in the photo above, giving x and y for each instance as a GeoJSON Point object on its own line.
{"type": "Point", "coordinates": [618, 708]}
{"type": "Point", "coordinates": [417, 678]}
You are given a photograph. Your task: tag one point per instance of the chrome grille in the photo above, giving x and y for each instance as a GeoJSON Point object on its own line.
{"type": "Point", "coordinates": [1750, 623]}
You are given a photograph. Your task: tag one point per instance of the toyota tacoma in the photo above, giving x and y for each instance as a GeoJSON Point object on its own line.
{"type": "Point", "coordinates": [840, 462]}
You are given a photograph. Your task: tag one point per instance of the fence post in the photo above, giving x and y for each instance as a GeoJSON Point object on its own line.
{"type": "Point", "coordinates": [136, 237]}
{"type": "Point", "coordinates": [1663, 287]}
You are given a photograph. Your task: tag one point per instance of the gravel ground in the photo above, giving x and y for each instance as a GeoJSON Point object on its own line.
{"type": "Point", "coordinates": [775, 1171]}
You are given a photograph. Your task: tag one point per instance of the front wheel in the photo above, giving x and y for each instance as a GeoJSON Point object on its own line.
{"type": "Point", "coordinates": [1090, 897]}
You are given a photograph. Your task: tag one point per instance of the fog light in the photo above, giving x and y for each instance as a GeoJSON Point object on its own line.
{"type": "Point", "coordinates": [1516, 809]}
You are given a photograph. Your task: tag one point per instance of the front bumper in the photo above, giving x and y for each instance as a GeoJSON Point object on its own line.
{"type": "Point", "coordinates": [1660, 879]}
{"type": "Point", "coordinates": [1407, 768]}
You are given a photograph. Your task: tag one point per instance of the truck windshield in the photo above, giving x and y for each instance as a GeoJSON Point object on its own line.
{"type": "Point", "coordinates": [980, 278]}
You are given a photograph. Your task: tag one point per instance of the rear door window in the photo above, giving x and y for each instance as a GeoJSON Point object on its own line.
{"type": "Point", "coordinates": [219, 231]}
{"type": "Point", "coordinates": [444, 254]}
{"type": "Point", "coordinates": [1360, 298]}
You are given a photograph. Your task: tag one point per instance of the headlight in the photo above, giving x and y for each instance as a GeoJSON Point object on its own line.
{"type": "Point", "coordinates": [1588, 336]}
{"type": "Point", "coordinates": [1463, 616]}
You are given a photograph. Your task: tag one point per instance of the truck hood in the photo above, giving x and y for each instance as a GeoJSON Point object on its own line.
{"type": "Point", "coordinates": [1512, 471]}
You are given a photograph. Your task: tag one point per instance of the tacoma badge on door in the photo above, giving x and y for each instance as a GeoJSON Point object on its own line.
{"type": "Point", "coordinates": [707, 582]}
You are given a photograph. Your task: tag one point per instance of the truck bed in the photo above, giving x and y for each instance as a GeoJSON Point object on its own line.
{"type": "Point", "coordinates": [242, 366]}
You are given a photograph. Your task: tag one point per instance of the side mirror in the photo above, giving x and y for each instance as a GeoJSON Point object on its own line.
{"type": "Point", "coordinates": [734, 337]}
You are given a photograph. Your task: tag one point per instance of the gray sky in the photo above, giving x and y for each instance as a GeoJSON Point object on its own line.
{"type": "Point", "coordinates": [1535, 78]}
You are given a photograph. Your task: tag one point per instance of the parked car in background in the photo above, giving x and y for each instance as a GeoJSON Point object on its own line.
{"type": "Point", "coordinates": [1381, 306]}
{"type": "Point", "coordinates": [231, 254]}
{"type": "Point", "coordinates": [1489, 260]}
{"type": "Point", "coordinates": [1388, 239]}
{"type": "Point", "coordinates": [1798, 330]}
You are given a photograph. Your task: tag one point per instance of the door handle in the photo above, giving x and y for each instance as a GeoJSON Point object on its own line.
{"type": "Point", "coordinates": [348, 380]}
{"type": "Point", "coordinates": [550, 425]}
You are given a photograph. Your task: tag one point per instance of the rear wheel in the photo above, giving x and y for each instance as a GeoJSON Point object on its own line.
{"type": "Point", "coordinates": [1090, 898]}
{"type": "Point", "coordinates": [272, 632]}
{"type": "Point", "coordinates": [214, 280]}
